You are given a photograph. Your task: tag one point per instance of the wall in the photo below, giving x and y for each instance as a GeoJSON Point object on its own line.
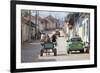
{"type": "Point", "coordinates": [25, 31]}
{"type": "Point", "coordinates": [82, 26]}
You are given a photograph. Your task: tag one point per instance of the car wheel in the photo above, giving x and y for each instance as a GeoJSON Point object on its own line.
{"type": "Point", "coordinates": [55, 52]}
{"type": "Point", "coordinates": [82, 51]}
{"type": "Point", "coordinates": [68, 51]}
{"type": "Point", "coordinates": [41, 52]}
{"type": "Point", "coordinates": [87, 50]}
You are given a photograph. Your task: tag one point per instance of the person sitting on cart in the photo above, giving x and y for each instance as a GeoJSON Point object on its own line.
{"type": "Point", "coordinates": [43, 37]}
{"type": "Point", "coordinates": [47, 39]}
{"type": "Point", "coordinates": [54, 38]}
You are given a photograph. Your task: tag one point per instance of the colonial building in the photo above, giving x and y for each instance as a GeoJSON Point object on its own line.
{"type": "Point", "coordinates": [69, 25]}
{"type": "Point", "coordinates": [84, 26]}
{"type": "Point", "coordinates": [32, 25]}
{"type": "Point", "coordinates": [78, 23]}
{"type": "Point", "coordinates": [51, 22]}
{"type": "Point", "coordinates": [26, 26]}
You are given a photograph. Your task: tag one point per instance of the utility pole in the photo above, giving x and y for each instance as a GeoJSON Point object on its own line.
{"type": "Point", "coordinates": [56, 21]}
{"type": "Point", "coordinates": [38, 20]}
{"type": "Point", "coordinates": [29, 25]}
{"type": "Point", "coordinates": [37, 24]}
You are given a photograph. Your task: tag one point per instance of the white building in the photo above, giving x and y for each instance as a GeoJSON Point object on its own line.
{"type": "Point", "coordinates": [83, 27]}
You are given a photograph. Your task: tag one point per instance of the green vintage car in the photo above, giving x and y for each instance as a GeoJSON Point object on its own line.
{"type": "Point", "coordinates": [75, 43]}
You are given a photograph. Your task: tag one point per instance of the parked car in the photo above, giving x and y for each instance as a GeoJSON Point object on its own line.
{"type": "Point", "coordinates": [75, 43]}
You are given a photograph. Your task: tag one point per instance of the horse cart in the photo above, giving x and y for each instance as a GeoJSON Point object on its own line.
{"type": "Point", "coordinates": [48, 47]}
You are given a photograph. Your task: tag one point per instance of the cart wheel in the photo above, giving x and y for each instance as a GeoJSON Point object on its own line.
{"type": "Point", "coordinates": [41, 53]}
{"type": "Point", "coordinates": [55, 52]}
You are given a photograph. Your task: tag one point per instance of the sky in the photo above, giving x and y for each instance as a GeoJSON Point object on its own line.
{"type": "Point", "coordinates": [58, 15]}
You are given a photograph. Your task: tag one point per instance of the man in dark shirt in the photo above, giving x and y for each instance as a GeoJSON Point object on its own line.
{"type": "Point", "coordinates": [54, 38]}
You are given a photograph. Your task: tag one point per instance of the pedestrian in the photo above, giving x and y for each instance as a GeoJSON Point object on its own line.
{"type": "Point", "coordinates": [58, 33]}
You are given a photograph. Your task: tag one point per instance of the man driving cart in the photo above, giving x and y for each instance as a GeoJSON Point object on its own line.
{"type": "Point", "coordinates": [48, 46]}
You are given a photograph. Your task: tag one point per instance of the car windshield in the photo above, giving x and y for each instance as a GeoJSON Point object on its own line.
{"type": "Point", "coordinates": [76, 39]}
